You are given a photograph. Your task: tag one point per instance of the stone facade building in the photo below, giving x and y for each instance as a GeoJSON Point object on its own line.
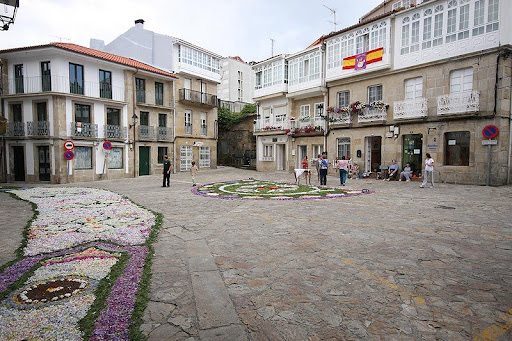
{"type": "Point", "coordinates": [410, 80]}
{"type": "Point", "coordinates": [64, 92]}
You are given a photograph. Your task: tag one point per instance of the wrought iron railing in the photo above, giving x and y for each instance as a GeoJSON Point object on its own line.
{"type": "Point", "coordinates": [198, 97]}
{"type": "Point", "coordinates": [410, 108]}
{"type": "Point", "coordinates": [146, 132]}
{"type": "Point", "coordinates": [38, 128]}
{"type": "Point", "coordinates": [81, 129]}
{"type": "Point", "coordinates": [342, 117]}
{"type": "Point", "coordinates": [15, 129]}
{"type": "Point", "coordinates": [458, 103]}
{"type": "Point", "coordinates": [115, 131]}
{"type": "Point", "coordinates": [164, 134]}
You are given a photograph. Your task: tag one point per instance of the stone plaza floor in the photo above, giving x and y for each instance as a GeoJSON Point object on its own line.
{"type": "Point", "coordinates": [403, 263]}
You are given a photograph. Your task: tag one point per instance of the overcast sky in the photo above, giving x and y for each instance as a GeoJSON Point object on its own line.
{"type": "Point", "coordinates": [226, 27]}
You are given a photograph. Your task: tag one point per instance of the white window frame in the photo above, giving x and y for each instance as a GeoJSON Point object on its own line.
{"type": "Point", "coordinates": [204, 126]}
{"type": "Point", "coordinates": [343, 98]}
{"type": "Point", "coordinates": [461, 80]}
{"type": "Point", "coordinates": [268, 152]}
{"type": "Point", "coordinates": [188, 122]}
{"type": "Point", "coordinates": [204, 156]}
{"type": "Point", "coordinates": [375, 93]}
{"type": "Point", "coordinates": [304, 111]}
{"type": "Point", "coordinates": [343, 147]}
{"type": "Point", "coordinates": [413, 88]}
{"type": "Point", "coordinates": [185, 158]}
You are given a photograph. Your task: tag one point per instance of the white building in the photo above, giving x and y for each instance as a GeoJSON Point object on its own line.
{"type": "Point", "coordinates": [237, 81]}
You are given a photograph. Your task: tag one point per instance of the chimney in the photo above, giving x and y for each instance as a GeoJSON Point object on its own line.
{"type": "Point", "coordinates": [139, 23]}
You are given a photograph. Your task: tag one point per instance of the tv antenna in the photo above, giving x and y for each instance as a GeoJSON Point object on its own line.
{"type": "Point", "coordinates": [62, 38]}
{"type": "Point", "coordinates": [333, 12]}
{"type": "Point", "coordinates": [272, 47]}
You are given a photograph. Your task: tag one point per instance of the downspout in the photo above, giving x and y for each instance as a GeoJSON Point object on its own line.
{"type": "Point", "coordinates": [174, 126]}
{"type": "Point", "coordinates": [509, 135]}
{"type": "Point", "coordinates": [134, 132]}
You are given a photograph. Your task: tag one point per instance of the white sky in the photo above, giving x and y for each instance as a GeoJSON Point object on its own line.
{"type": "Point", "coordinates": [226, 27]}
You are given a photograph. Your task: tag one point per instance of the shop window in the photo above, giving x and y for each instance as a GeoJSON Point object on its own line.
{"type": "Point", "coordinates": [457, 148]}
{"type": "Point", "coordinates": [83, 158]}
{"type": "Point", "coordinates": [343, 147]}
{"type": "Point", "coordinates": [162, 151]}
{"type": "Point", "coordinates": [115, 158]}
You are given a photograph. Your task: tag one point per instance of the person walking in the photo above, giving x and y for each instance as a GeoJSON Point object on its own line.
{"type": "Point", "coordinates": [167, 172]}
{"type": "Point", "coordinates": [343, 166]}
{"type": "Point", "coordinates": [324, 165]}
{"type": "Point", "coordinates": [317, 165]}
{"type": "Point", "coordinates": [193, 172]}
{"type": "Point", "coordinates": [429, 170]}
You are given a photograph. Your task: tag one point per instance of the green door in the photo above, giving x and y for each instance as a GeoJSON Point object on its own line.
{"type": "Point", "coordinates": [143, 160]}
{"type": "Point", "coordinates": [412, 152]}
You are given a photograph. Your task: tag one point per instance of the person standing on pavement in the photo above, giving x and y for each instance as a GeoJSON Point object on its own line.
{"type": "Point", "coordinates": [317, 165]}
{"type": "Point", "coordinates": [324, 165]}
{"type": "Point", "coordinates": [167, 172]}
{"type": "Point", "coordinates": [343, 166]}
{"type": "Point", "coordinates": [429, 171]}
{"type": "Point", "coordinates": [193, 172]}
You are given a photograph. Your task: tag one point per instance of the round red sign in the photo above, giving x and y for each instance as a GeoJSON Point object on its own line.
{"type": "Point", "coordinates": [490, 131]}
{"type": "Point", "coordinates": [69, 155]}
{"type": "Point", "coordinates": [107, 145]}
{"type": "Point", "coordinates": [69, 145]}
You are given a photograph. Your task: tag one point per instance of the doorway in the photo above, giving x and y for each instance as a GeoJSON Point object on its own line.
{"type": "Point", "coordinates": [412, 152]}
{"type": "Point", "coordinates": [44, 163]}
{"type": "Point", "coordinates": [280, 157]}
{"type": "Point", "coordinates": [373, 153]}
{"type": "Point", "coordinates": [143, 160]}
{"type": "Point", "coordinates": [301, 152]}
{"type": "Point", "coordinates": [19, 163]}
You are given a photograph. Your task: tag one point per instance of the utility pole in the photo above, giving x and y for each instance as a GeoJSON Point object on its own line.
{"type": "Point", "coordinates": [333, 12]}
{"type": "Point", "coordinates": [272, 47]}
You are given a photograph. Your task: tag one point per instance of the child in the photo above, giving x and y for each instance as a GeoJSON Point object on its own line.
{"type": "Point", "coordinates": [193, 172]}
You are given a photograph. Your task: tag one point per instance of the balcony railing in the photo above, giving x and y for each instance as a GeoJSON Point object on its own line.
{"type": "Point", "coordinates": [38, 128]}
{"type": "Point", "coordinates": [458, 103]}
{"type": "Point", "coordinates": [372, 114]}
{"type": "Point", "coordinates": [410, 108]}
{"type": "Point", "coordinates": [146, 132]}
{"type": "Point", "coordinates": [114, 132]}
{"type": "Point", "coordinates": [164, 134]}
{"type": "Point", "coordinates": [81, 129]}
{"type": "Point", "coordinates": [341, 117]}
{"type": "Point", "coordinates": [271, 124]}
{"type": "Point", "coordinates": [198, 97]}
{"type": "Point", "coordinates": [39, 84]}
{"type": "Point", "coordinates": [15, 129]}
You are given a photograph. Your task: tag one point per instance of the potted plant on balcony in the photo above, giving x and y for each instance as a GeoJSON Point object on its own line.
{"type": "Point", "coordinates": [357, 106]}
{"type": "Point", "coordinates": [379, 105]}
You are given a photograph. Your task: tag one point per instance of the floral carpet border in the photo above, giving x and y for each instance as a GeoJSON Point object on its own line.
{"type": "Point", "coordinates": [197, 191]}
{"type": "Point", "coordinates": [114, 320]}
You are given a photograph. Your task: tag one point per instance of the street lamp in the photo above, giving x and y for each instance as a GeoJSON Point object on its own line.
{"type": "Point", "coordinates": [320, 108]}
{"type": "Point", "coordinates": [10, 9]}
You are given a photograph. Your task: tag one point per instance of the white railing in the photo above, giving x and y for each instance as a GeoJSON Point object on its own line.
{"type": "Point", "coordinates": [410, 108]}
{"type": "Point", "coordinates": [370, 114]}
{"type": "Point", "coordinates": [269, 124]}
{"type": "Point", "coordinates": [344, 117]}
{"type": "Point", "coordinates": [458, 103]}
{"type": "Point", "coordinates": [40, 84]}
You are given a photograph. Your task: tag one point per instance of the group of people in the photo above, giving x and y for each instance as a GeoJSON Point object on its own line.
{"type": "Point", "coordinates": [407, 173]}
{"type": "Point", "coordinates": [345, 167]}
{"type": "Point", "coordinates": [168, 169]}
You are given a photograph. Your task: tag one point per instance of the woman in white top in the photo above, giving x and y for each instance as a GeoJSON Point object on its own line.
{"type": "Point", "coordinates": [429, 170]}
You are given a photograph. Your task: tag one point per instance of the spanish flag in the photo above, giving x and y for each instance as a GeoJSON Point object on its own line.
{"type": "Point", "coordinates": [363, 59]}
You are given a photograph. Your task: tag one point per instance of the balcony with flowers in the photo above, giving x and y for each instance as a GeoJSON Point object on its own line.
{"type": "Point", "coordinates": [376, 111]}
{"type": "Point", "coordinates": [459, 103]}
{"type": "Point", "coordinates": [271, 124]}
{"type": "Point", "coordinates": [339, 116]}
{"type": "Point", "coordinates": [410, 109]}
{"type": "Point", "coordinates": [308, 130]}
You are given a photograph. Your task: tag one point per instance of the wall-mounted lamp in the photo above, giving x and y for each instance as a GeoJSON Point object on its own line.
{"type": "Point", "coordinates": [135, 119]}
{"type": "Point", "coordinates": [320, 108]}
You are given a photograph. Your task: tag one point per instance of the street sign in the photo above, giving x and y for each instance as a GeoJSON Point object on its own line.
{"type": "Point", "coordinates": [490, 131]}
{"type": "Point", "coordinates": [69, 155]}
{"type": "Point", "coordinates": [107, 145]}
{"type": "Point", "coordinates": [489, 142]}
{"type": "Point", "coordinates": [69, 145]}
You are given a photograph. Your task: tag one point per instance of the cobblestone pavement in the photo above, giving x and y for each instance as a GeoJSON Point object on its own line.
{"type": "Point", "coordinates": [404, 263]}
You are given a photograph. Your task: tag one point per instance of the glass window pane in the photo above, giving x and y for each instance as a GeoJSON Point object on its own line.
{"type": "Point", "coordinates": [115, 158]}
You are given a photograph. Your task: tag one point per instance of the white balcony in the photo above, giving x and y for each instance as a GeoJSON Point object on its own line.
{"type": "Point", "coordinates": [410, 108]}
{"type": "Point", "coordinates": [341, 117]}
{"type": "Point", "coordinates": [39, 84]}
{"type": "Point", "coordinates": [272, 124]}
{"type": "Point", "coordinates": [278, 88]}
{"type": "Point", "coordinates": [371, 114]}
{"type": "Point", "coordinates": [458, 103]}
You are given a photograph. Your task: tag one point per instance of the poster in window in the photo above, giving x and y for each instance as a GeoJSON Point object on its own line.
{"type": "Point", "coordinates": [115, 158]}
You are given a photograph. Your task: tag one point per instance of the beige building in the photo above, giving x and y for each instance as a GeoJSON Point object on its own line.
{"type": "Point", "coordinates": [70, 111]}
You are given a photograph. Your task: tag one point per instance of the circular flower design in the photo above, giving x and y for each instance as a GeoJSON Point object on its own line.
{"type": "Point", "coordinates": [51, 291]}
{"type": "Point", "coordinates": [255, 189]}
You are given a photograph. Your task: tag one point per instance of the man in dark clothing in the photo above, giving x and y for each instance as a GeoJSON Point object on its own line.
{"type": "Point", "coordinates": [167, 171]}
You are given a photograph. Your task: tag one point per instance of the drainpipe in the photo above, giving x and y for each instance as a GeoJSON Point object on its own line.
{"type": "Point", "coordinates": [509, 136]}
{"type": "Point", "coordinates": [173, 126]}
{"type": "Point", "coordinates": [134, 111]}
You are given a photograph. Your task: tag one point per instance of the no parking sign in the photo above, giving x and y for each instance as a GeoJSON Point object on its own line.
{"type": "Point", "coordinates": [490, 131]}
{"type": "Point", "coordinates": [69, 155]}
